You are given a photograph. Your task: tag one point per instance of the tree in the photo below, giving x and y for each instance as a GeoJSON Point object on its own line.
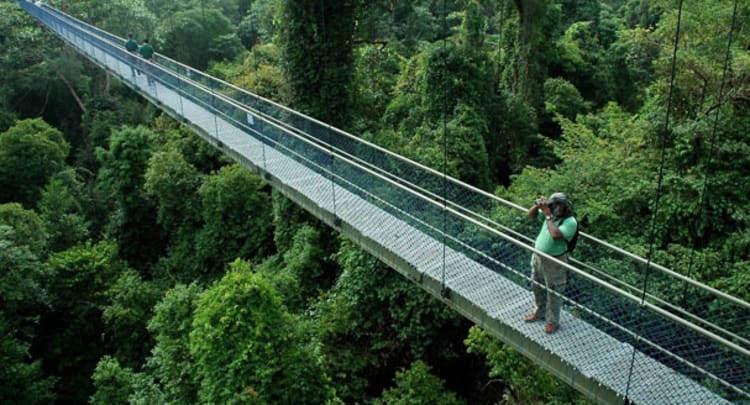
{"type": "Point", "coordinates": [303, 271]}
{"type": "Point", "coordinates": [236, 216]}
{"type": "Point", "coordinates": [30, 153]}
{"type": "Point", "coordinates": [112, 382]}
{"type": "Point", "coordinates": [631, 61]}
{"type": "Point", "coordinates": [134, 223]}
{"type": "Point", "coordinates": [173, 183]}
{"type": "Point", "coordinates": [418, 386]}
{"type": "Point", "coordinates": [171, 362]}
{"type": "Point", "coordinates": [131, 300]}
{"type": "Point", "coordinates": [197, 36]}
{"type": "Point", "coordinates": [22, 286]}
{"type": "Point", "coordinates": [537, 21]}
{"type": "Point", "coordinates": [71, 332]}
{"type": "Point", "coordinates": [374, 322]}
{"type": "Point", "coordinates": [248, 348]}
{"type": "Point", "coordinates": [561, 97]}
{"type": "Point", "coordinates": [260, 23]}
{"type": "Point", "coordinates": [288, 218]}
{"type": "Point", "coordinates": [22, 379]}
{"type": "Point", "coordinates": [41, 78]}
{"type": "Point", "coordinates": [120, 17]}
{"type": "Point", "coordinates": [62, 212]}
{"type": "Point", "coordinates": [521, 380]}
{"type": "Point", "coordinates": [316, 43]}
{"type": "Point", "coordinates": [28, 227]}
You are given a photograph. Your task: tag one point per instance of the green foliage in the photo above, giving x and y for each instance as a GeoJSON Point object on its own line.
{"type": "Point", "coordinates": [419, 387]}
{"type": "Point", "coordinates": [247, 348]}
{"type": "Point", "coordinates": [122, 175]}
{"type": "Point", "coordinates": [22, 379]}
{"type": "Point", "coordinates": [538, 22]}
{"type": "Point", "coordinates": [376, 73]}
{"type": "Point", "coordinates": [40, 76]}
{"type": "Point", "coordinates": [563, 98]}
{"type": "Point", "coordinates": [124, 163]}
{"type": "Point", "coordinates": [131, 300]}
{"type": "Point", "coordinates": [28, 227]}
{"type": "Point", "coordinates": [643, 13]}
{"type": "Point", "coordinates": [603, 157]}
{"type": "Point", "coordinates": [104, 112]}
{"type": "Point", "coordinates": [171, 362]}
{"type": "Point", "coordinates": [522, 381]}
{"type": "Point", "coordinates": [577, 10]}
{"type": "Point", "coordinates": [374, 322]}
{"type": "Point", "coordinates": [260, 23]}
{"type": "Point", "coordinates": [404, 26]}
{"type": "Point", "coordinates": [307, 262]}
{"type": "Point", "coordinates": [197, 36]}
{"type": "Point", "coordinates": [117, 16]}
{"type": "Point", "coordinates": [237, 218]}
{"type": "Point", "coordinates": [581, 60]}
{"type": "Point", "coordinates": [259, 73]}
{"type": "Point", "coordinates": [316, 44]}
{"type": "Point", "coordinates": [443, 93]}
{"type": "Point", "coordinates": [630, 58]}
{"type": "Point", "coordinates": [22, 284]}
{"type": "Point", "coordinates": [62, 212]}
{"type": "Point", "coordinates": [73, 328]}
{"type": "Point", "coordinates": [173, 183]}
{"type": "Point", "coordinates": [452, 76]}
{"type": "Point", "coordinates": [511, 138]}
{"type": "Point", "coordinates": [113, 383]}
{"type": "Point", "coordinates": [194, 150]}
{"type": "Point", "coordinates": [466, 152]}
{"type": "Point", "coordinates": [31, 151]}
{"type": "Point", "coordinates": [287, 220]}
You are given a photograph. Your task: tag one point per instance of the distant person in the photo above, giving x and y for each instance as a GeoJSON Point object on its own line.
{"type": "Point", "coordinates": [147, 52]}
{"type": "Point", "coordinates": [549, 278]}
{"type": "Point", "coordinates": [132, 46]}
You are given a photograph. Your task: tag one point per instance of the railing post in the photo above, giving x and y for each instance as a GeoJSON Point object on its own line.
{"type": "Point", "coordinates": [216, 123]}
{"type": "Point", "coordinates": [179, 97]}
{"type": "Point", "coordinates": [336, 219]}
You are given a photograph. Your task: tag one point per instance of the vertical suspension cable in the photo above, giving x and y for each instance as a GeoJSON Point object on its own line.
{"type": "Point", "coordinates": [659, 181]}
{"type": "Point", "coordinates": [328, 127]}
{"type": "Point", "coordinates": [712, 147]}
{"type": "Point", "coordinates": [445, 146]}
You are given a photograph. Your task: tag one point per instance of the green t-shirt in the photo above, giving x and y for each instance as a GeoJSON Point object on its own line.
{"type": "Point", "coordinates": [146, 51]}
{"type": "Point", "coordinates": [131, 45]}
{"type": "Point", "coordinates": [551, 246]}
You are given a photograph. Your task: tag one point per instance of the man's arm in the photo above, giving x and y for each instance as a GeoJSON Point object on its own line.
{"type": "Point", "coordinates": [535, 208]}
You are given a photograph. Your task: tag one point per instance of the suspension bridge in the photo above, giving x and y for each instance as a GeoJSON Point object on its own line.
{"type": "Point", "coordinates": [631, 331]}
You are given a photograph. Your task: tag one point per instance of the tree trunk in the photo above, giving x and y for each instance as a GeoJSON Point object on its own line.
{"type": "Point", "coordinates": [531, 40]}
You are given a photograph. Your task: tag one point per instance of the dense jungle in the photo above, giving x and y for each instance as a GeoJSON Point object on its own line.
{"type": "Point", "coordinates": [139, 265]}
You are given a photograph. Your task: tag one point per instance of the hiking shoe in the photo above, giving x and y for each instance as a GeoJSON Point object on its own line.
{"type": "Point", "coordinates": [532, 317]}
{"type": "Point", "coordinates": [550, 327]}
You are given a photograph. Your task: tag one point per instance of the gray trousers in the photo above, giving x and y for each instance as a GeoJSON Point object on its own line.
{"type": "Point", "coordinates": [550, 278]}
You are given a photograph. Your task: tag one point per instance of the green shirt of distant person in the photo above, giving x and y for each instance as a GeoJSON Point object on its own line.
{"type": "Point", "coordinates": [146, 50]}
{"type": "Point", "coordinates": [131, 45]}
{"type": "Point", "coordinates": [549, 245]}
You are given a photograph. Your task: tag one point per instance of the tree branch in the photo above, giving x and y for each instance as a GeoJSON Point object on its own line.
{"type": "Point", "coordinates": [72, 92]}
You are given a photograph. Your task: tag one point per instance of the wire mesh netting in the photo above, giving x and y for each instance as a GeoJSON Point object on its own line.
{"type": "Point", "coordinates": [634, 326]}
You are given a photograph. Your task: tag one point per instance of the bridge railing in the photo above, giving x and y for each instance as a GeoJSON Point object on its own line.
{"type": "Point", "coordinates": [683, 338]}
